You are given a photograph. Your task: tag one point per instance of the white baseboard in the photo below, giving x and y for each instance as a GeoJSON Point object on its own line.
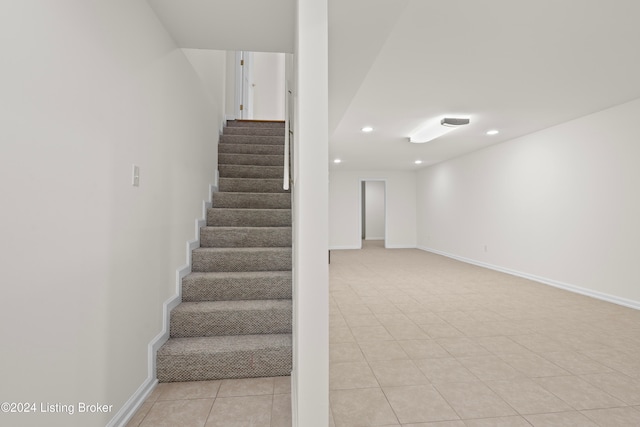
{"type": "Point", "coordinates": [387, 246]}
{"type": "Point", "coordinates": [133, 404]}
{"type": "Point", "coordinates": [229, 117]}
{"type": "Point", "coordinates": [343, 248]}
{"type": "Point", "coordinates": [544, 280]}
{"type": "Point", "coordinates": [127, 411]}
{"type": "Point", "coordinates": [374, 238]}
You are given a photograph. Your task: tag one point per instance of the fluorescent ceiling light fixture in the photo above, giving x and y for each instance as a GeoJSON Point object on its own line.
{"type": "Point", "coordinates": [367, 129]}
{"type": "Point", "coordinates": [418, 162]}
{"type": "Point", "coordinates": [453, 122]}
{"type": "Point", "coordinates": [337, 161]}
{"type": "Point", "coordinates": [493, 132]}
{"type": "Point", "coordinates": [437, 127]}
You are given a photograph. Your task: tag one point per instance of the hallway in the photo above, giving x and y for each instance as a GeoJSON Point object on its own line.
{"type": "Point", "coordinates": [418, 339]}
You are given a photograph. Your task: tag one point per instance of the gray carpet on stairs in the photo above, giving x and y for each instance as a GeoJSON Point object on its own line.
{"type": "Point", "coordinates": [213, 358]}
{"type": "Point", "coordinates": [232, 285]}
{"type": "Point", "coordinates": [249, 217]}
{"type": "Point", "coordinates": [237, 237]}
{"type": "Point", "coordinates": [251, 185]}
{"type": "Point", "coordinates": [235, 317]}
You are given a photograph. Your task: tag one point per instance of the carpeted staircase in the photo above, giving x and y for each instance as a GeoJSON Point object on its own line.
{"type": "Point", "coordinates": [235, 317]}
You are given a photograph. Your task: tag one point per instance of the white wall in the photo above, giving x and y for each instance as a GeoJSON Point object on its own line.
{"type": "Point", "coordinates": [344, 208]}
{"type": "Point", "coordinates": [87, 260]}
{"type": "Point", "coordinates": [230, 85]}
{"type": "Point", "coordinates": [268, 92]}
{"type": "Point", "coordinates": [211, 67]}
{"type": "Point", "coordinates": [310, 376]}
{"type": "Point", "coordinates": [374, 210]}
{"type": "Point", "coordinates": [561, 205]}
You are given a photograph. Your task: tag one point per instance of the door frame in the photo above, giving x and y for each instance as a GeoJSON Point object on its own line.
{"type": "Point", "coordinates": [361, 207]}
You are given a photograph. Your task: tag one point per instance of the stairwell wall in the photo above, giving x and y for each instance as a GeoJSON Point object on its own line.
{"type": "Point", "coordinates": [560, 206]}
{"type": "Point", "coordinates": [87, 260]}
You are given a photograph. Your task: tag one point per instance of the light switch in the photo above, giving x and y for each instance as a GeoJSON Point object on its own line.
{"type": "Point", "coordinates": [136, 176]}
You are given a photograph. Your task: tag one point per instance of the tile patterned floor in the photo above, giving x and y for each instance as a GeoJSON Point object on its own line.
{"type": "Point", "coordinates": [421, 340]}
{"type": "Point", "coordinates": [254, 402]}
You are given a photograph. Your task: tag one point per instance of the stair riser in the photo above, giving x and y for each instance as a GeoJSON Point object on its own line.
{"type": "Point", "coordinates": [248, 218]}
{"type": "Point", "coordinates": [240, 364]}
{"type": "Point", "coordinates": [214, 237]}
{"type": "Point", "coordinates": [196, 288]}
{"type": "Point", "coordinates": [255, 124]}
{"type": "Point", "coordinates": [203, 261]}
{"type": "Point", "coordinates": [251, 159]}
{"type": "Point", "coordinates": [230, 323]}
{"type": "Point", "coordinates": [239, 171]}
{"type": "Point", "coordinates": [251, 139]}
{"type": "Point", "coordinates": [252, 200]}
{"type": "Point", "coordinates": [236, 130]}
{"type": "Point", "coordinates": [247, 185]}
{"type": "Point", "coordinates": [276, 150]}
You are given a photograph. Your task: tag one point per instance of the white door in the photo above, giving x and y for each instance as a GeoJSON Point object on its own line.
{"type": "Point", "coordinates": [260, 87]}
{"type": "Point", "coordinates": [246, 68]}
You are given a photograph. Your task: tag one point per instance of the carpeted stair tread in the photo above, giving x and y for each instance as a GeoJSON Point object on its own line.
{"type": "Point", "coordinates": [241, 259]}
{"type": "Point", "coordinates": [256, 123]}
{"type": "Point", "coordinates": [263, 131]}
{"type": "Point", "coordinates": [211, 358]}
{"type": "Point", "coordinates": [247, 171]}
{"type": "Point", "coordinates": [235, 237]}
{"type": "Point", "coordinates": [251, 159]}
{"type": "Point", "coordinates": [230, 286]}
{"type": "Point", "coordinates": [251, 139]}
{"type": "Point", "coordinates": [252, 200]}
{"type": "Point", "coordinates": [251, 185]}
{"type": "Point", "coordinates": [244, 217]}
{"type": "Point", "coordinates": [215, 318]}
{"type": "Point", "coordinates": [250, 149]}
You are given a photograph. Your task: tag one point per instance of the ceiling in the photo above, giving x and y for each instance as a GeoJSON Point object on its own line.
{"type": "Point", "coordinates": [515, 66]}
{"type": "Point", "coordinates": [252, 25]}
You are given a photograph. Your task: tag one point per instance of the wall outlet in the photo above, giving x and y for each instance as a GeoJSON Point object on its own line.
{"type": "Point", "coordinates": [486, 248]}
{"type": "Point", "coordinates": [135, 179]}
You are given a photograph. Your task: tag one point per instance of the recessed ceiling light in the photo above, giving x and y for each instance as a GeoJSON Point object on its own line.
{"type": "Point", "coordinates": [337, 161]}
{"type": "Point", "coordinates": [493, 132]}
{"type": "Point", "coordinates": [367, 129]}
{"type": "Point", "coordinates": [418, 162]}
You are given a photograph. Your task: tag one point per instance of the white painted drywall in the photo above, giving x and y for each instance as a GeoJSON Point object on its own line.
{"type": "Point", "coordinates": [211, 67]}
{"type": "Point", "coordinates": [344, 208]}
{"type": "Point", "coordinates": [374, 210]}
{"type": "Point", "coordinates": [268, 90]}
{"type": "Point", "coordinates": [230, 85]}
{"type": "Point", "coordinates": [561, 204]}
{"type": "Point", "coordinates": [310, 376]}
{"type": "Point", "coordinates": [87, 260]}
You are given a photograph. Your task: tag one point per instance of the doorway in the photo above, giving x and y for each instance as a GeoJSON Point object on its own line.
{"type": "Point", "coordinates": [373, 208]}
{"type": "Point", "coordinates": [260, 86]}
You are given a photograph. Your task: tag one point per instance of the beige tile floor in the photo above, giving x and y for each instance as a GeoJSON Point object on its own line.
{"type": "Point", "coordinates": [421, 340]}
{"type": "Point", "coordinates": [253, 402]}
